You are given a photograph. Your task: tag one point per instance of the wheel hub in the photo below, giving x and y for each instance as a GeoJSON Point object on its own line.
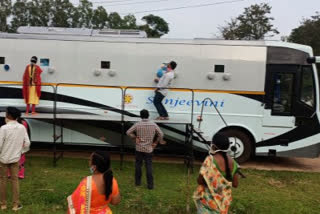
{"type": "Point", "coordinates": [236, 147]}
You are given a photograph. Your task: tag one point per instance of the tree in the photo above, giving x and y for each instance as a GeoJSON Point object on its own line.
{"type": "Point", "coordinates": [308, 33]}
{"type": "Point", "coordinates": [115, 21]}
{"type": "Point", "coordinates": [99, 18]}
{"type": "Point", "coordinates": [39, 12]}
{"type": "Point", "coordinates": [5, 12]}
{"type": "Point", "coordinates": [253, 24]}
{"type": "Point", "coordinates": [155, 26]}
{"type": "Point", "coordinates": [61, 13]}
{"type": "Point", "coordinates": [20, 16]}
{"type": "Point", "coordinates": [129, 22]}
{"type": "Point", "coordinates": [230, 31]}
{"type": "Point", "coordinates": [86, 12]}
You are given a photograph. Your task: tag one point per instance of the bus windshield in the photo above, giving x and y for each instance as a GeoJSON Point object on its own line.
{"type": "Point", "coordinates": [307, 86]}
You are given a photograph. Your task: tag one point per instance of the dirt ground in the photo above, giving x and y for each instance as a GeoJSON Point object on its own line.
{"type": "Point", "coordinates": [284, 164]}
{"type": "Point", "coordinates": [261, 163]}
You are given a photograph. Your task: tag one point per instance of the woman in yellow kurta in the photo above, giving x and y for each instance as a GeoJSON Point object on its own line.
{"type": "Point", "coordinates": [32, 85]}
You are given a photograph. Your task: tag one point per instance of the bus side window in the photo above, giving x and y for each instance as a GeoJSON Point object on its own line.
{"type": "Point", "coordinates": [282, 93]}
{"type": "Point", "coordinates": [307, 86]}
{"type": "Point", "coordinates": [2, 60]}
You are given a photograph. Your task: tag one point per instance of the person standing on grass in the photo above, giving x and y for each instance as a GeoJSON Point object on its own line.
{"type": "Point", "coordinates": [162, 91]}
{"type": "Point", "coordinates": [217, 176]}
{"type": "Point", "coordinates": [22, 160]}
{"type": "Point", "coordinates": [13, 141]}
{"type": "Point", "coordinates": [94, 193]}
{"type": "Point", "coordinates": [144, 133]}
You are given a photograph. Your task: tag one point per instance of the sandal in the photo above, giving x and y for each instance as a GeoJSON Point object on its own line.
{"type": "Point", "coordinates": [164, 118]}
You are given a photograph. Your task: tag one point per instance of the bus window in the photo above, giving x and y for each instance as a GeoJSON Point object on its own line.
{"type": "Point", "coordinates": [282, 93]}
{"type": "Point", "coordinates": [307, 86]}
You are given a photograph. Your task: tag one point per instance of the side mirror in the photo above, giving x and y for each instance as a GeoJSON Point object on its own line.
{"type": "Point", "coordinates": [312, 60]}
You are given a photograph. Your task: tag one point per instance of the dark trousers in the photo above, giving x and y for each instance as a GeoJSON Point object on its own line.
{"type": "Point", "coordinates": [147, 158]}
{"type": "Point", "coordinates": [157, 101]}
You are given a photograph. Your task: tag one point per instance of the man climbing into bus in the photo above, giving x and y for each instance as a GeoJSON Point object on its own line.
{"type": "Point", "coordinates": [32, 85]}
{"type": "Point", "coordinates": [162, 90]}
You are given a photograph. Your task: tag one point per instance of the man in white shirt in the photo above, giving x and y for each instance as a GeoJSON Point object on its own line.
{"type": "Point", "coordinates": [162, 91]}
{"type": "Point", "coordinates": [13, 141]}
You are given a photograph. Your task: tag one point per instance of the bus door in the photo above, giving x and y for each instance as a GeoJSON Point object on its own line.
{"type": "Point", "coordinates": [280, 88]}
{"type": "Point", "coordinates": [304, 108]}
{"type": "Point", "coordinates": [290, 108]}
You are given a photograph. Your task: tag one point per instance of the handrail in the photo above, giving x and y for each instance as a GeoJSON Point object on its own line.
{"type": "Point", "coordinates": [55, 88]}
{"type": "Point", "coordinates": [139, 87]}
{"type": "Point", "coordinates": [225, 123]}
{"type": "Point", "coordinates": [93, 86]}
{"type": "Point", "coordinates": [54, 112]}
{"type": "Point", "coordinates": [202, 107]}
{"type": "Point", "coordinates": [18, 84]}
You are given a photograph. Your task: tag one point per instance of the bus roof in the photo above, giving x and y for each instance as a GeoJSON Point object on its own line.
{"type": "Point", "coordinates": [260, 43]}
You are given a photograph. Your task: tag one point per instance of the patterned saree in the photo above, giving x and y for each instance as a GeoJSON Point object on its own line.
{"type": "Point", "coordinates": [216, 196]}
{"type": "Point", "coordinates": [80, 202]}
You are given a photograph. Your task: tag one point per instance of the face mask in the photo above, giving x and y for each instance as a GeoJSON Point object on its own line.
{"type": "Point", "coordinates": [91, 170]}
{"type": "Point", "coordinates": [214, 151]}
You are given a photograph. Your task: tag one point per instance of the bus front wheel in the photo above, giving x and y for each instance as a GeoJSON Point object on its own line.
{"type": "Point", "coordinates": [240, 145]}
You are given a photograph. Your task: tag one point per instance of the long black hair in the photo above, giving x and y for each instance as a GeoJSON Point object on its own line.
{"type": "Point", "coordinates": [221, 142]}
{"type": "Point", "coordinates": [101, 160]}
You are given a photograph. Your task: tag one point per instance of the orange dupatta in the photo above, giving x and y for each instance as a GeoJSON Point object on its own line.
{"type": "Point", "coordinates": [80, 200]}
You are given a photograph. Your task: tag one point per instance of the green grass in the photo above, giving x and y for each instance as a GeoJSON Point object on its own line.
{"type": "Point", "coordinates": [45, 189]}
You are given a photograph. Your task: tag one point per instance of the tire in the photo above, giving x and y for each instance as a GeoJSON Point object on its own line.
{"type": "Point", "coordinates": [242, 143]}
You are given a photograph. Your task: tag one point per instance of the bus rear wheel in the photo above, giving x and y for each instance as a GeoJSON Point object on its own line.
{"type": "Point", "coordinates": [240, 145]}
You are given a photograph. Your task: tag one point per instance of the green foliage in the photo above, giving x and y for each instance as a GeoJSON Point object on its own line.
{"type": "Point", "coordinates": [86, 13]}
{"type": "Point", "coordinates": [308, 33]}
{"type": "Point", "coordinates": [19, 15]}
{"type": "Point", "coordinates": [39, 12]}
{"type": "Point", "coordinates": [62, 13]}
{"type": "Point", "coordinates": [155, 26]}
{"type": "Point", "coordinates": [5, 11]}
{"type": "Point", "coordinates": [99, 18]}
{"type": "Point", "coordinates": [253, 24]}
{"type": "Point", "coordinates": [129, 22]}
{"type": "Point", "coordinates": [115, 21]}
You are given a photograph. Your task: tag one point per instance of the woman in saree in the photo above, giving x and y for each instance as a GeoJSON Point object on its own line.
{"type": "Point", "coordinates": [217, 176]}
{"type": "Point", "coordinates": [96, 192]}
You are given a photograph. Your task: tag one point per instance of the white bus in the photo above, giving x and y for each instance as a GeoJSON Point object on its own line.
{"type": "Point", "coordinates": [266, 91]}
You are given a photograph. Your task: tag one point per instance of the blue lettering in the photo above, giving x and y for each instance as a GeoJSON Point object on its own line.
{"type": "Point", "coordinates": [150, 100]}
{"type": "Point", "coordinates": [189, 103]}
{"type": "Point", "coordinates": [169, 100]}
{"type": "Point", "coordinates": [182, 102]}
{"type": "Point", "coordinates": [176, 103]}
{"type": "Point", "coordinates": [199, 103]}
{"type": "Point", "coordinates": [215, 103]}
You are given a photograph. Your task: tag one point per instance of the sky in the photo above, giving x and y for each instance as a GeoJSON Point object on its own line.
{"type": "Point", "coordinates": [203, 22]}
